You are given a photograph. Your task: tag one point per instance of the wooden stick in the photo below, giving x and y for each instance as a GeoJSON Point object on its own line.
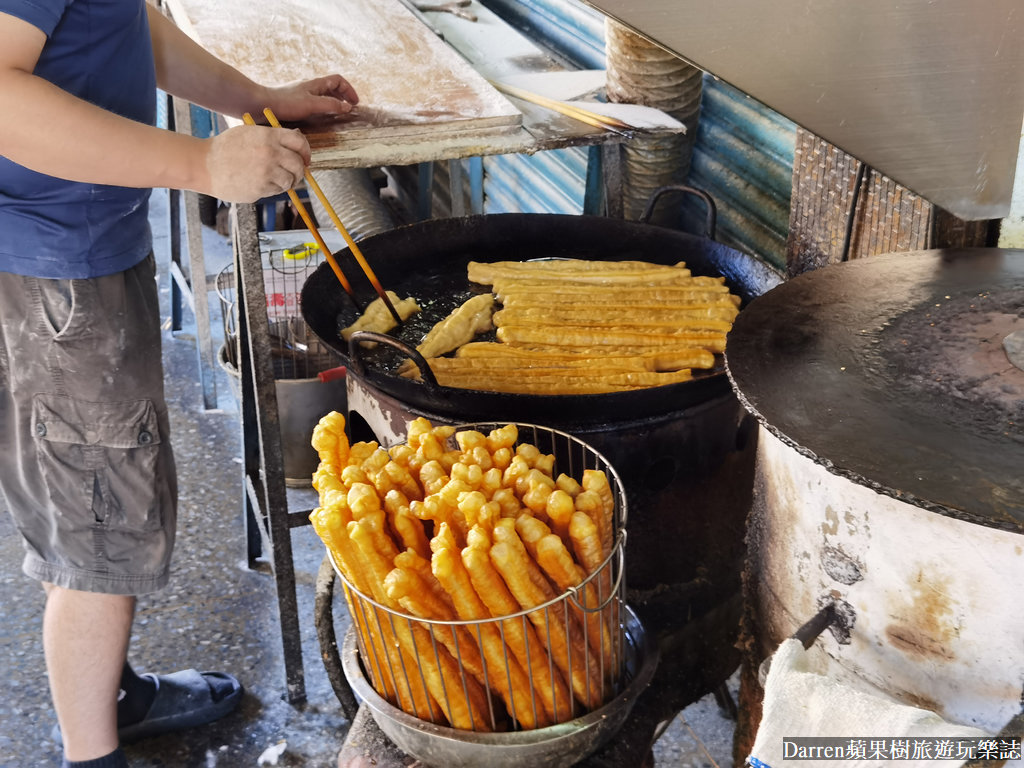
{"type": "Point", "coordinates": [247, 119]}
{"type": "Point", "coordinates": [367, 270]}
{"type": "Point", "coordinates": [583, 115]}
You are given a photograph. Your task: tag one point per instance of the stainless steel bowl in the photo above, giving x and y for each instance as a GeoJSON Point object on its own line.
{"type": "Point", "coordinates": [556, 746]}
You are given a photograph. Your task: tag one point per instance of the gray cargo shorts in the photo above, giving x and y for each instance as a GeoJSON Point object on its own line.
{"type": "Point", "coordinates": [86, 467]}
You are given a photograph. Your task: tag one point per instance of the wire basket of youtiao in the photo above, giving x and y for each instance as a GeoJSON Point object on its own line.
{"type": "Point", "coordinates": [483, 566]}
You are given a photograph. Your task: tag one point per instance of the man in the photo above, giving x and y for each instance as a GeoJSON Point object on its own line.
{"type": "Point", "coordinates": [85, 462]}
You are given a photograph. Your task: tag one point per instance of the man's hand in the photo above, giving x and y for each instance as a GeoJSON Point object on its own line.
{"type": "Point", "coordinates": [248, 162]}
{"type": "Point", "coordinates": [330, 95]}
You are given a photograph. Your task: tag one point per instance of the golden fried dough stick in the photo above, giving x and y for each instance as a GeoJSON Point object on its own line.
{"type": "Point", "coordinates": [558, 384]}
{"type": "Point", "coordinates": [518, 633]}
{"type": "Point", "coordinates": [668, 283]}
{"type": "Point", "coordinates": [408, 589]}
{"type": "Point", "coordinates": [360, 452]}
{"type": "Point", "coordinates": [460, 696]}
{"type": "Point", "coordinates": [377, 317]}
{"type": "Point", "coordinates": [555, 560]}
{"type": "Point", "coordinates": [504, 359]}
{"type": "Point", "coordinates": [471, 475]}
{"type": "Point", "coordinates": [353, 474]}
{"type": "Point", "coordinates": [366, 508]}
{"type": "Point", "coordinates": [375, 461]}
{"type": "Point", "coordinates": [517, 469]}
{"type": "Point", "coordinates": [507, 502]}
{"type": "Point", "coordinates": [725, 311]}
{"type": "Point", "coordinates": [406, 526]}
{"type": "Point", "coordinates": [505, 532]}
{"type": "Point", "coordinates": [477, 510]}
{"type": "Point", "coordinates": [431, 447]}
{"type": "Point", "coordinates": [407, 458]}
{"type": "Point", "coordinates": [411, 560]}
{"type": "Point", "coordinates": [417, 428]}
{"type": "Point", "coordinates": [472, 317]}
{"type": "Point", "coordinates": [330, 441]}
{"type": "Point", "coordinates": [491, 482]}
{"type": "Point", "coordinates": [636, 320]}
{"type": "Point", "coordinates": [559, 510]}
{"type": "Point", "coordinates": [486, 273]}
{"type": "Point", "coordinates": [597, 481]}
{"type": "Point", "coordinates": [326, 480]}
{"type": "Point", "coordinates": [568, 484]}
{"type": "Point", "coordinates": [379, 648]}
{"type": "Point", "coordinates": [468, 439]}
{"type": "Point", "coordinates": [586, 541]}
{"type": "Point", "coordinates": [556, 628]}
{"type": "Point", "coordinates": [402, 478]}
{"type": "Point", "coordinates": [432, 477]}
{"type": "Point", "coordinates": [588, 336]}
{"type": "Point", "coordinates": [538, 488]}
{"type": "Point", "coordinates": [557, 351]}
{"type": "Point", "coordinates": [502, 437]}
{"type": "Point", "coordinates": [503, 672]}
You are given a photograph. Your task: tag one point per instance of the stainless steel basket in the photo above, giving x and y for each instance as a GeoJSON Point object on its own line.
{"type": "Point", "coordinates": [615, 657]}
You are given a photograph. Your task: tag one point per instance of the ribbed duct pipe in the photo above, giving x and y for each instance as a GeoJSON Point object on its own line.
{"type": "Point", "coordinates": [356, 200]}
{"type": "Point", "coordinates": [639, 72]}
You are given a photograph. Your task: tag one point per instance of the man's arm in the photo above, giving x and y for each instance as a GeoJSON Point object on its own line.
{"type": "Point", "coordinates": [184, 68]}
{"type": "Point", "coordinates": [53, 132]}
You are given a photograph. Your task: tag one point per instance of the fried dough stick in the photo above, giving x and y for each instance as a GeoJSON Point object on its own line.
{"type": "Point", "coordinates": [608, 313]}
{"type": "Point", "coordinates": [550, 553]}
{"type": "Point", "coordinates": [472, 317]}
{"type": "Point", "coordinates": [557, 629]}
{"type": "Point", "coordinates": [637, 320]}
{"type": "Point", "coordinates": [586, 336]}
{"type": "Point", "coordinates": [671, 359]}
{"type": "Point", "coordinates": [487, 272]}
{"type": "Point", "coordinates": [460, 696]}
{"type": "Point", "coordinates": [518, 633]}
{"type": "Point", "coordinates": [558, 383]}
{"type": "Point", "coordinates": [504, 672]}
{"type": "Point", "coordinates": [701, 295]}
{"type": "Point", "coordinates": [377, 317]}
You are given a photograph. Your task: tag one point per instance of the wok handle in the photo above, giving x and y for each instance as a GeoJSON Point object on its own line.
{"type": "Point", "coordinates": [710, 221]}
{"type": "Point", "coordinates": [356, 362]}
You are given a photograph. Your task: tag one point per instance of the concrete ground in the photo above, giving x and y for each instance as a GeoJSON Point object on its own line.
{"type": "Point", "coordinates": [217, 614]}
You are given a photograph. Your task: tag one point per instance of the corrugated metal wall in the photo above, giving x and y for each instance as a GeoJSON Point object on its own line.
{"type": "Point", "coordinates": [743, 155]}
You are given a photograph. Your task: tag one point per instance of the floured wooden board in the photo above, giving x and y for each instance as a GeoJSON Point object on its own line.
{"type": "Point", "coordinates": [411, 85]}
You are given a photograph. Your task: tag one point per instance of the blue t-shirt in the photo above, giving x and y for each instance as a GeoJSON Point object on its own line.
{"type": "Point", "coordinates": [100, 51]}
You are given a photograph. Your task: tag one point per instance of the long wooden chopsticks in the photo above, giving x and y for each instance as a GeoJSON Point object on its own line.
{"type": "Point", "coordinates": [363, 264]}
{"type": "Point", "coordinates": [570, 110]}
{"type": "Point", "coordinates": [311, 226]}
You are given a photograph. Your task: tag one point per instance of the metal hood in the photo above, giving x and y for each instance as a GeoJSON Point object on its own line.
{"type": "Point", "coordinates": [929, 93]}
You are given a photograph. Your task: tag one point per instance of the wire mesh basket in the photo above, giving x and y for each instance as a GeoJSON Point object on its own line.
{"type": "Point", "coordinates": [517, 675]}
{"type": "Point", "coordinates": [296, 351]}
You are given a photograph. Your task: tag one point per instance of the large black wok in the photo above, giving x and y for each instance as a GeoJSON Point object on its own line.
{"type": "Point", "coordinates": [428, 261]}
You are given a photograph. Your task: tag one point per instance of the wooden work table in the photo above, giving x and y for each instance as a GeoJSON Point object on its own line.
{"type": "Point", "coordinates": [421, 102]}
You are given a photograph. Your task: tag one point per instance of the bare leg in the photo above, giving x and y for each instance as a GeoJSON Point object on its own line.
{"type": "Point", "coordinates": [85, 637]}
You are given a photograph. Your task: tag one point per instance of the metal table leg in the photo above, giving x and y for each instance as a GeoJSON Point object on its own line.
{"type": "Point", "coordinates": [189, 283]}
{"type": "Point", "coordinates": [266, 500]}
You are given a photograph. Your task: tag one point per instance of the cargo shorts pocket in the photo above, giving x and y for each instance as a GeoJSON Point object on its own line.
{"type": "Point", "coordinates": [99, 461]}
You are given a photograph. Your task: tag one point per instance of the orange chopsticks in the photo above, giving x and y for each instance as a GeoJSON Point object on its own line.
{"type": "Point", "coordinates": [247, 119]}
{"type": "Point", "coordinates": [364, 265]}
